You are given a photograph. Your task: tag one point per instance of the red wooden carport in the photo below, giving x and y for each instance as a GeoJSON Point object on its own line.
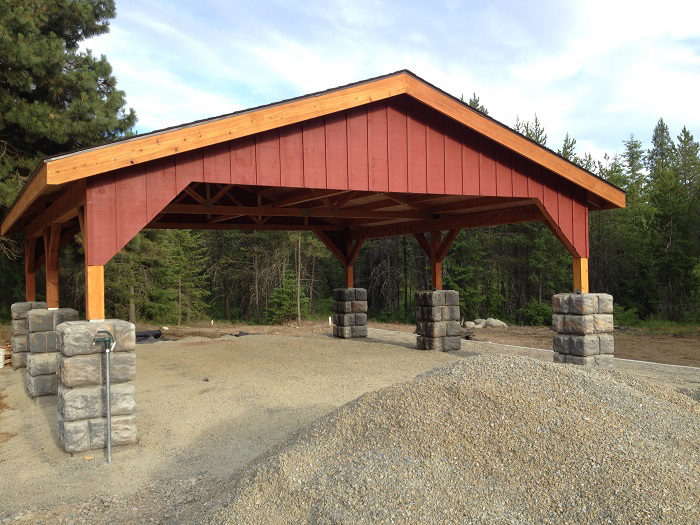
{"type": "Point", "coordinates": [392, 155]}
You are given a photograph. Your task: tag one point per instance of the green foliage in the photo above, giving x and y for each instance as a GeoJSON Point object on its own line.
{"type": "Point", "coordinates": [283, 303]}
{"type": "Point", "coordinates": [536, 314]}
{"type": "Point", "coordinates": [625, 316]}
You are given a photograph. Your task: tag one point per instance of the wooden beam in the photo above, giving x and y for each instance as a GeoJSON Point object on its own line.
{"type": "Point", "coordinates": [62, 210]}
{"type": "Point", "coordinates": [581, 274]}
{"type": "Point", "coordinates": [349, 276]}
{"type": "Point", "coordinates": [354, 251]}
{"type": "Point", "coordinates": [30, 269]}
{"type": "Point", "coordinates": [95, 292]}
{"type": "Point", "coordinates": [447, 243]}
{"type": "Point", "coordinates": [235, 226]}
{"type": "Point", "coordinates": [223, 191]}
{"type": "Point", "coordinates": [423, 242]}
{"type": "Point", "coordinates": [29, 193]}
{"type": "Point", "coordinates": [481, 204]}
{"type": "Point", "coordinates": [52, 239]}
{"type": "Point", "coordinates": [274, 211]}
{"type": "Point", "coordinates": [196, 196]}
{"type": "Point", "coordinates": [332, 246]}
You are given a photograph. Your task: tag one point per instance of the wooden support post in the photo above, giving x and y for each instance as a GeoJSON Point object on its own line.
{"type": "Point", "coordinates": [52, 240]}
{"type": "Point", "coordinates": [581, 274]}
{"type": "Point", "coordinates": [30, 269]}
{"type": "Point", "coordinates": [95, 292]}
{"type": "Point", "coordinates": [349, 276]}
{"type": "Point", "coordinates": [435, 261]}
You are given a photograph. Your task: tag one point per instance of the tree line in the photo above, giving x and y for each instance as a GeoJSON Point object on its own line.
{"type": "Point", "coordinates": [55, 98]}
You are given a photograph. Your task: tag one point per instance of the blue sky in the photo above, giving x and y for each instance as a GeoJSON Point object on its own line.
{"type": "Point", "coordinates": [600, 70]}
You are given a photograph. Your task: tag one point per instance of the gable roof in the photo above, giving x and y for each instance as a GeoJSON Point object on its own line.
{"type": "Point", "coordinates": [62, 169]}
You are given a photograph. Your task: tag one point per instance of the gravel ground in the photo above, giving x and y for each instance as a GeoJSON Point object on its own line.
{"type": "Point", "coordinates": [207, 408]}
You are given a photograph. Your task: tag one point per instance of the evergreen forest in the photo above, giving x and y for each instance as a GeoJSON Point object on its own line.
{"type": "Point", "coordinates": [55, 97]}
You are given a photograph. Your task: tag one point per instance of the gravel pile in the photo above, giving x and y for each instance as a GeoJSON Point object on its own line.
{"type": "Point", "coordinates": [489, 439]}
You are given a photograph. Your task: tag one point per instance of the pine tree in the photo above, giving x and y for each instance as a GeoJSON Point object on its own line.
{"type": "Point", "coordinates": [475, 103]}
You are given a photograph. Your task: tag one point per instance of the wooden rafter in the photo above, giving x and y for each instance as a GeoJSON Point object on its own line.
{"type": "Point", "coordinates": [62, 210]}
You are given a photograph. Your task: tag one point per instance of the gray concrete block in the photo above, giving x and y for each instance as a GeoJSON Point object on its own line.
{"type": "Point", "coordinates": [360, 319]}
{"type": "Point", "coordinates": [560, 303]}
{"type": "Point", "coordinates": [40, 320]}
{"type": "Point", "coordinates": [559, 358]}
{"type": "Point", "coordinates": [606, 343]}
{"type": "Point", "coordinates": [19, 359]}
{"type": "Point", "coordinates": [80, 370]}
{"type": "Point", "coordinates": [19, 343]}
{"type": "Point", "coordinates": [583, 303]}
{"type": "Point", "coordinates": [75, 337]}
{"type": "Point", "coordinates": [453, 328]}
{"type": "Point", "coordinates": [584, 345]}
{"type": "Point", "coordinates": [37, 342]}
{"type": "Point", "coordinates": [360, 294]}
{"type": "Point", "coordinates": [431, 298]}
{"type": "Point", "coordinates": [18, 327]}
{"type": "Point", "coordinates": [343, 332]}
{"type": "Point", "coordinates": [79, 403]}
{"type": "Point", "coordinates": [38, 386]}
{"type": "Point", "coordinates": [434, 329]}
{"type": "Point", "coordinates": [358, 306]}
{"type": "Point", "coordinates": [344, 294]}
{"type": "Point", "coordinates": [342, 307]}
{"type": "Point", "coordinates": [558, 322]}
{"type": "Point", "coordinates": [123, 431]}
{"type": "Point", "coordinates": [19, 310]}
{"type": "Point", "coordinates": [450, 313]}
{"type": "Point", "coordinates": [605, 303]}
{"type": "Point", "coordinates": [358, 331]}
{"type": "Point", "coordinates": [344, 319]}
{"type": "Point", "coordinates": [603, 323]}
{"type": "Point", "coordinates": [124, 334]}
{"type": "Point", "coordinates": [432, 313]}
{"type": "Point", "coordinates": [122, 367]}
{"type": "Point", "coordinates": [562, 343]}
{"type": "Point", "coordinates": [42, 364]}
{"type": "Point", "coordinates": [451, 297]}
{"type": "Point", "coordinates": [74, 435]}
{"type": "Point", "coordinates": [605, 361]}
{"type": "Point", "coordinates": [579, 324]}
{"type": "Point", "coordinates": [580, 360]}
{"type": "Point", "coordinates": [451, 344]}
{"type": "Point", "coordinates": [429, 343]}
{"type": "Point", "coordinates": [419, 314]}
{"type": "Point", "coordinates": [63, 315]}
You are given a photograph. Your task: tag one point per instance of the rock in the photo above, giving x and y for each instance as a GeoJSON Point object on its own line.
{"type": "Point", "coordinates": [469, 325]}
{"type": "Point", "coordinates": [480, 321]}
{"type": "Point", "coordinates": [19, 359]}
{"type": "Point", "coordinates": [495, 323]}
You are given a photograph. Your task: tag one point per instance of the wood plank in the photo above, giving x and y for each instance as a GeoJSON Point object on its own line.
{"type": "Point", "coordinates": [581, 274]}
{"type": "Point", "coordinates": [358, 162]}
{"type": "Point", "coordinates": [504, 178]}
{"type": "Point", "coordinates": [487, 168]}
{"type": "Point", "coordinates": [397, 147]}
{"type": "Point", "coordinates": [189, 167]}
{"type": "Point", "coordinates": [435, 156]}
{"type": "Point", "coordinates": [173, 225]}
{"type": "Point", "coordinates": [160, 186]}
{"type": "Point", "coordinates": [52, 238]}
{"type": "Point", "coordinates": [336, 142]}
{"type": "Point", "coordinates": [314, 142]}
{"type": "Point", "coordinates": [453, 161]}
{"type": "Point", "coordinates": [291, 157]}
{"type": "Point", "coordinates": [566, 216]}
{"type": "Point", "coordinates": [36, 184]}
{"type": "Point", "coordinates": [267, 159]}
{"type": "Point", "coordinates": [217, 164]}
{"type": "Point", "coordinates": [243, 161]}
{"type": "Point", "coordinates": [520, 176]}
{"type": "Point", "coordinates": [64, 208]}
{"type": "Point", "coordinates": [94, 292]}
{"type": "Point", "coordinates": [580, 233]}
{"type": "Point", "coordinates": [101, 219]}
{"type": "Point", "coordinates": [377, 147]}
{"type": "Point", "coordinates": [29, 269]}
{"type": "Point", "coordinates": [131, 195]}
{"type": "Point", "coordinates": [417, 155]}
{"type": "Point", "coordinates": [470, 164]}
{"type": "Point", "coordinates": [447, 243]}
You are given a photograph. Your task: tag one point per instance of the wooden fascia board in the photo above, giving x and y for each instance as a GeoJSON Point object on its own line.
{"type": "Point", "coordinates": [151, 147]}
{"type": "Point", "coordinates": [34, 187]}
{"type": "Point", "coordinates": [511, 140]}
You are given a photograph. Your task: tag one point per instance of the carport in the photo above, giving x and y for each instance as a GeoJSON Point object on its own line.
{"type": "Point", "coordinates": [392, 155]}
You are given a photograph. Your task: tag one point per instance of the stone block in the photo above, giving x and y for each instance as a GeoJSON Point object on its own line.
{"type": "Point", "coordinates": [605, 361]}
{"type": "Point", "coordinates": [583, 303]}
{"type": "Point", "coordinates": [360, 294]}
{"type": "Point", "coordinates": [584, 345]}
{"type": "Point", "coordinates": [450, 313]}
{"type": "Point", "coordinates": [124, 334]}
{"type": "Point", "coordinates": [431, 298]}
{"type": "Point", "coordinates": [122, 367]}
{"type": "Point", "coordinates": [38, 386]}
{"type": "Point", "coordinates": [358, 331]}
{"type": "Point", "coordinates": [19, 310]}
{"type": "Point", "coordinates": [580, 360]}
{"type": "Point", "coordinates": [603, 323]}
{"type": "Point", "coordinates": [451, 298]}
{"type": "Point", "coordinates": [75, 337]}
{"type": "Point", "coordinates": [452, 328]}
{"type": "Point", "coordinates": [18, 327]}
{"type": "Point", "coordinates": [360, 319]}
{"type": "Point", "coordinates": [342, 307]}
{"type": "Point", "coordinates": [37, 342]}
{"type": "Point", "coordinates": [560, 303]}
{"type": "Point", "coordinates": [558, 322]}
{"type": "Point", "coordinates": [40, 320]}
{"type": "Point", "coordinates": [42, 364]}
{"type": "Point", "coordinates": [606, 343]}
{"type": "Point", "coordinates": [74, 435]}
{"type": "Point", "coordinates": [63, 315]}
{"type": "Point", "coordinates": [123, 431]}
{"type": "Point", "coordinates": [435, 329]}
{"type": "Point", "coordinates": [80, 370]}
{"type": "Point", "coordinates": [559, 358]}
{"type": "Point", "coordinates": [562, 343]}
{"type": "Point", "coordinates": [19, 343]}
{"type": "Point", "coordinates": [579, 324]}
{"type": "Point", "coordinates": [419, 314]}
{"type": "Point", "coordinates": [344, 332]}
{"type": "Point", "coordinates": [19, 359]}
{"type": "Point", "coordinates": [451, 344]}
{"type": "Point", "coordinates": [605, 303]}
{"type": "Point", "coordinates": [79, 403]}
{"type": "Point", "coordinates": [358, 307]}
{"type": "Point", "coordinates": [344, 319]}
{"type": "Point", "coordinates": [429, 343]}
{"type": "Point", "coordinates": [344, 294]}
{"type": "Point", "coordinates": [432, 313]}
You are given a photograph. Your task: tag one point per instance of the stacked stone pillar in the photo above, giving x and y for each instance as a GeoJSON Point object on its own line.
{"type": "Point", "coordinates": [583, 323]}
{"type": "Point", "coordinates": [437, 320]}
{"type": "Point", "coordinates": [40, 379]}
{"type": "Point", "coordinates": [18, 340]}
{"type": "Point", "coordinates": [349, 313]}
{"type": "Point", "coordinates": [82, 393]}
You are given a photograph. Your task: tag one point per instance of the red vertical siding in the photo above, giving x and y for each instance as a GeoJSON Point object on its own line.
{"type": "Point", "coordinates": [487, 167]}
{"type": "Point", "coordinates": [520, 188]}
{"type": "Point", "coordinates": [358, 163]}
{"type": "Point", "coordinates": [470, 164]}
{"type": "Point", "coordinates": [291, 157]}
{"type": "Point", "coordinates": [337, 152]}
{"type": "Point", "coordinates": [131, 195]}
{"type": "Point", "coordinates": [314, 139]}
{"type": "Point", "coordinates": [217, 164]}
{"type": "Point", "coordinates": [504, 179]}
{"type": "Point", "coordinates": [566, 216]}
{"type": "Point", "coordinates": [435, 156]}
{"type": "Point", "coordinates": [160, 186]}
{"type": "Point", "coordinates": [243, 161]}
{"type": "Point", "coordinates": [267, 159]}
{"type": "Point", "coordinates": [398, 149]}
{"type": "Point", "coordinates": [580, 234]}
{"type": "Point", "coordinates": [417, 161]}
{"type": "Point", "coordinates": [101, 216]}
{"type": "Point", "coordinates": [189, 167]}
{"type": "Point", "coordinates": [453, 160]}
{"type": "Point", "coordinates": [378, 148]}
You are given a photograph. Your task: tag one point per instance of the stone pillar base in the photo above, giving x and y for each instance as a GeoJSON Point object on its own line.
{"type": "Point", "coordinates": [18, 331]}
{"type": "Point", "coordinates": [437, 320]}
{"type": "Point", "coordinates": [349, 313]}
{"type": "Point", "coordinates": [82, 391]}
{"type": "Point", "coordinates": [583, 323]}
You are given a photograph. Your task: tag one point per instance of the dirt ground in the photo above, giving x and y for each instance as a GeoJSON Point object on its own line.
{"type": "Point", "coordinates": [206, 407]}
